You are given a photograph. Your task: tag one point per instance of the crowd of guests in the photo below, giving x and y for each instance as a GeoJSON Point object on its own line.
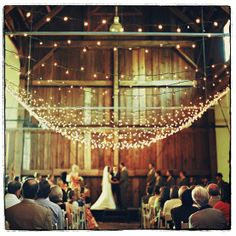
{"type": "Point", "coordinates": [38, 203]}
{"type": "Point", "coordinates": [201, 205]}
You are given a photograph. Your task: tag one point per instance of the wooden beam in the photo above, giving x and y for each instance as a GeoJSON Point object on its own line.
{"type": "Point", "coordinates": [87, 83]}
{"type": "Point", "coordinates": [23, 18]}
{"type": "Point", "coordinates": [48, 9]}
{"type": "Point", "coordinates": [157, 83]}
{"type": "Point", "coordinates": [8, 9]}
{"type": "Point", "coordinates": [120, 44]}
{"type": "Point", "coordinates": [42, 60]}
{"type": "Point", "coordinates": [51, 14]}
{"type": "Point", "coordinates": [120, 14]}
{"type": "Point", "coordinates": [187, 58]}
{"type": "Point", "coordinates": [116, 102]}
{"type": "Point", "coordinates": [184, 18]}
{"type": "Point", "coordinates": [226, 9]}
{"type": "Point", "coordinates": [107, 83]}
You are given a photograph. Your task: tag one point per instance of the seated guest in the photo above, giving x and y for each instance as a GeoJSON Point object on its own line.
{"type": "Point", "coordinates": [183, 180]}
{"type": "Point", "coordinates": [17, 178]}
{"type": "Point", "coordinates": [192, 181]}
{"type": "Point", "coordinates": [73, 206]}
{"type": "Point", "coordinates": [147, 196]}
{"type": "Point", "coordinates": [159, 179]}
{"type": "Point", "coordinates": [204, 181]}
{"type": "Point", "coordinates": [206, 217]}
{"type": "Point", "coordinates": [164, 196]}
{"type": "Point", "coordinates": [214, 193]}
{"type": "Point", "coordinates": [224, 204]}
{"type": "Point", "coordinates": [170, 181]}
{"type": "Point", "coordinates": [43, 200]}
{"type": "Point", "coordinates": [153, 198]}
{"type": "Point", "coordinates": [181, 213]}
{"type": "Point", "coordinates": [50, 179]}
{"type": "Point", "coordinates": [173, 202]}
{"type": "Point", "coordinates": [56, 195]}
{"type": "Point", "coordinates": [13, 194]}
{"type": "Point", "coordinates": [27, 215]}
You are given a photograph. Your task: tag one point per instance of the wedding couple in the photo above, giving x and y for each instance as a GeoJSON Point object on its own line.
{"type": "Point", "coordinates": [120, 188]}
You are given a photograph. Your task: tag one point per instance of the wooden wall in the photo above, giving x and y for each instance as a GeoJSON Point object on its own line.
{"type": "Point", "coordinates": [49, 152]}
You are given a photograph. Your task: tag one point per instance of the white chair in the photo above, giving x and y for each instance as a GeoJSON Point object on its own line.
{"type": "Point", "coordinates": [145, 211]}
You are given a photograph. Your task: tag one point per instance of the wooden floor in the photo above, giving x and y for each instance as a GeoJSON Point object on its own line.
{"type": "Point", "coordinates": [119, 225]}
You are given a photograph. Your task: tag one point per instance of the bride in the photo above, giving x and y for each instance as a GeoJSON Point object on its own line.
{"type": "Point", "coordinates": [106, 199]}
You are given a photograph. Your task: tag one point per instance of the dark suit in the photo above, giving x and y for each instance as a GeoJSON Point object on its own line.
{"type": "Point", "coordinates": [170, 182]}
{"type": "Point", "coordinates": [28, 215]}
{"type": "Point", "coordinates": [183, 182]}
{"type": "Point", "coordinates": [116, 187]}
{"type": "Point", "coordinates": [151, 179]}
{"type": "Point", "coordinates": [182, 213]}
{"type": "Point", "coordinates": [124, 183]}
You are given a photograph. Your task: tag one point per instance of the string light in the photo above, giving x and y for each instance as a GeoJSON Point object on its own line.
{"type": "Point", "coordinates": [55, 44]}
{"type": "Point", "coordinates": [193, 45]}
{"type": "Point", "coordinates": [55, 64]}
{"type": "Point", "coordinates": [69, 41]}
{"type": "Point", "coordinates": [48, 19]}
{"type": "Point", "coordinates": [11, 35]}
{"type": "Point", "coordinates": [82, 68]}
{"type": "Point", "coordinates": [47, 116]}
{"type": "Point", "coordinates": [115, 48]}
{"type": "Point", "coordinates": [104, 21]}
{"type": "Point", "coordinates": [140, 30]}
{"type": "Point", "coordinates": [65, 18]}
{"type": "Point", "coordinates": [178, 30]}
{"type": "Point", "coordinates": [130, 49]}
{"type": "Point", "coordinates": [215, 23]}
{"type": "Point", "coordinates": [99, 43]}
{"type": "Point", "coordinates": [28, 14]}
{"type": "Point", "coordinates": [160, 27]}
{"type": "Point", "coordinates": [198, 20]}
{"type": "Point", "coordinates": [84, 50]}
{"type": "Point", "coordinates": [85, 23]}
{"type": "Point", "coordinates": [41, 43]}
{"type": "Point", "coordinates": [146, 51]}
{"type": "Point", "coordinates": [42, 64]}
{"type": "Point", "coordinates": [25, 34]}
{"type": "Point", "coordinates": [178, 46]}
{"type": "Point", "coordinates": [67, 72]}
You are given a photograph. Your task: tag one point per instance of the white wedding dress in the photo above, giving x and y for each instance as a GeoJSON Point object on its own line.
{"type": "Point", "coordinates": [106, 199]}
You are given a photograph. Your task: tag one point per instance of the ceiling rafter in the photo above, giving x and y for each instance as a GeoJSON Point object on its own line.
{"type": "Point", "coordinates": [43, 59]}
{"type": "Point", "coordinates": [51, 15]}
{"type": "Point", "coordinates": [23, 18]}
{"type": "Point", "coordinates": [8, 9]}
{"type": "Point", "coordinates": [184, 18]}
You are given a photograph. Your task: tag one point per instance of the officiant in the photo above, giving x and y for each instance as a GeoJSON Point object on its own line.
{"type": "Point", "coordinates": [115, 180]}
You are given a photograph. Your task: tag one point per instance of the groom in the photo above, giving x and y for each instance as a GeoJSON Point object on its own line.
{"type": "Point", "coordinates": [124, 182]}
{"type": "Point", "coordinates": [115, 178]}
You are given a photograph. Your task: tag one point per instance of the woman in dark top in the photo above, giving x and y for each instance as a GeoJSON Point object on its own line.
{"type": "Point", "coordinates": [160, 182]}
{"type": "Point", "coordinates": [170, 181]}
{"type": "Point", "coordinates": [183, 180]}
{"type": "Point", "coordinates": [182, 213]}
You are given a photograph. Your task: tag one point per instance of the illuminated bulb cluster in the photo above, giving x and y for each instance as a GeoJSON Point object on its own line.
{"type": "Point", "coordinates": [71, 122]}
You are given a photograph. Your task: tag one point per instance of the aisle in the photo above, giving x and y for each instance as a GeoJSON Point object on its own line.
{"type": "Point", "coordinates": [119, 226]}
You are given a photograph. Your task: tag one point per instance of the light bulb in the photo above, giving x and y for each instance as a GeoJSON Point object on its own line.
{"type": "Point", "coordinates": [160, 27]}
{"type": "Point", "coordinates": [85, 23]}
{"type": "Point", "coordinates": [28, 14]}
{"type": "Point", "coordinates": [65, 18]}
{"type": "Point", "coordinates": [69, 41]}
{"type": "Point", "coordinates": [140, 30]}
{"type": "Point", "coordinates": [198, 21]}
{"type": "Point", "coordinates": [104, 21]}
{"type": "Point", "coordinates": [215, 23]}
{"type": "Point", "coordinates": [48, 19]}
{"type": "Point", "coordinates": [178, 30]}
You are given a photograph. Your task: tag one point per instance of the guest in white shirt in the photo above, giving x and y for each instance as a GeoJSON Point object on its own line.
{"type": "Point", "coordinates": [173, 202]}
{"type": "Point", "coordinates": [13, 194]}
